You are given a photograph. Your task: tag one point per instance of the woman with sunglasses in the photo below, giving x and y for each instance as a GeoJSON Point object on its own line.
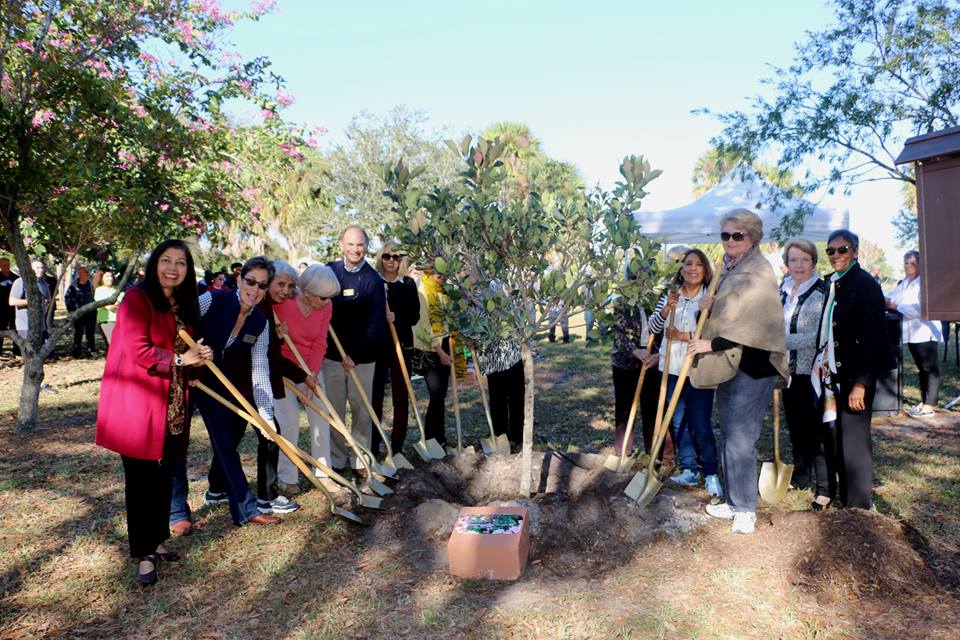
{"type": "Point", "coordinates": [306, 319]}
{"type": "Point", "coordinates": [853, 350]}
{"type": "Point", "coordinates": [142, 412]}
{"type": "Point", "coordinates": [743, 354]}
{"type": "Point", "coordinates": [392, 265]}
{"type": "Point", "coordinates": [238, 333]}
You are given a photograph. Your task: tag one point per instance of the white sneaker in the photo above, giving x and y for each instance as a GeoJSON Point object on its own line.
{"type": "Point", "coordinates": [721, 510]}
{"type": "Point", "coordinates": [712, 483]}
{"type": "Point", "coordinates": [743, 522]}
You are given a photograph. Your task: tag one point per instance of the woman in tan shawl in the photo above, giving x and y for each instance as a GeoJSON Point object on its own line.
{"type": "Point", "coordinates": [743, 354]}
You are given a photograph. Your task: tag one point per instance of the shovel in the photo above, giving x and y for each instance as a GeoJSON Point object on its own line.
{"type": "Point", "coordinates": [427, 449]}
{"type": "Point", "coordinates": [649, 480]}
{"type": "Point", "coordinates": [495, 443]}
{"type": "Point", "coordinates": [460, 450]}
{"type": "Point", "coordinates": [645, 484]}
{"type": "Point", "coordinates": [623, 462]}
{"type": "Point", "coordinates": [366, 457]}
{"type": "Point", "coordinates": [363, 454]}
{"type": "Point", "coordinates": [271, 434]}
{"type": "Point", "coordinates": [391, 460]}
{"type": "Point", "coordinates": [775, 476]}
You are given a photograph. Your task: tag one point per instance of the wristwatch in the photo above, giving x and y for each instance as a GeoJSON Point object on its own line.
{"type": "Point", "coordinates": [177, 360]}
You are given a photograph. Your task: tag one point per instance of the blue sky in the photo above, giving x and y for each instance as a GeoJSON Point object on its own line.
{"type": "Point", "coordinates": [593, 80]}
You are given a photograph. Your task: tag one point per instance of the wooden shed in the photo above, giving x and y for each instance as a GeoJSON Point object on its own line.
{"type": "Point", "coordinates": [937, 159]}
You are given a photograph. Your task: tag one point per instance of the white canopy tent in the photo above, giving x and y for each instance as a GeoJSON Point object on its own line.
{"type": "Point", "coordinates": [699, 221]}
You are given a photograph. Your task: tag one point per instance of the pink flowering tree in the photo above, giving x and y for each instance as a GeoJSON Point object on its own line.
{"type": "Point", "coordinates": [113, 133]}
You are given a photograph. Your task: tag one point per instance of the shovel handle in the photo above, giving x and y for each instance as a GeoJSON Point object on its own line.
{"type": "Point", "coordinates": [456, 398]}
{"type": "Point", "coordinates": [363, 395]}
{"type": "Point", "coordinates": [482, 385]}
{"type": "Point", "coordinates": [661, 425]}
{"type": "Point", "coordinates": [406, 378]}
{"type": "Point", "coordinates": [776, 426]}
{"type": "Point", "coordinates": [633, 408]}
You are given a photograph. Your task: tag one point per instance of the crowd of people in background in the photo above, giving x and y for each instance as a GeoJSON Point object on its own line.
{"type": "Point", "coordinates": [349, 328]}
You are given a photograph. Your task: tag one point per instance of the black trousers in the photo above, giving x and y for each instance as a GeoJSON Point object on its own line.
{"type": "Point", "coordinates": [506, 402]}
{"type": "Point", "coordinates": [925, 355]}
{"type": "Point", "coordinates": [268, 454]}
{"type": "Point", "coordinates": [7, 323]}
{"type": "Point", "coordinates": [854, 449]}
{"type": "Point", "coordinates": [804, 421]}
{"type": "Point", "coordinates": [85, 325]}
{"type": "Point", "coordinates": [437, 377]}
{"type": "Point", "coordinates": [389, 363]}
{"type": "Point", "coordinates": [624, 385]}
{"type": "Point", "coordinates": [147, 487]}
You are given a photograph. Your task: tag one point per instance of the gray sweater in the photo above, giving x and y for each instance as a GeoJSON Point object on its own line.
{"type": "Point", "coordinates": [804, 323]}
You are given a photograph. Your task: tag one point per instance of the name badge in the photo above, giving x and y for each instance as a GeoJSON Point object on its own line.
{"type": "Point", "coordinates": [249, 338]}
{"type": "Point", "coordinates": [349, 293]}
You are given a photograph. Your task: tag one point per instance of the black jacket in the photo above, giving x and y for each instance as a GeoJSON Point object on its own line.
{"type": "Point", "coordinates": [861, 343]}
{"type": "Point", "coordinates": [405, 305]}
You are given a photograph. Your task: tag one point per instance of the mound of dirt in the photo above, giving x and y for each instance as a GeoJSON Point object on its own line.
{"type": "Point", "coordinates": [581, 522]}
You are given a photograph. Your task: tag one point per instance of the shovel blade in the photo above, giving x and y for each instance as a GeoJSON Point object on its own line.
{"type": "Point", "coordinates": [400, 461]}
{"type": "Point", "coordinates": [643, 488]}
{"type": "Point", "coordinates": [435, 450]}
{"type": "Point", "coordinates": [370, 502]}
{"type": "Point", "coordinates": [489, 446]}
{"type": "Point", "coordinates": [422, 451]}
{"type": "Point", "coordinates": [503, 444]}
{"type": "Point", "coordinates": [378, 487]}
{"type": "Point", "coordinates": [349, 516]}
{"type": "Point", "coordinates": [612, 463]}
{"type": "Point", "coordinates": [385, 470]}
{"type": "Point", "coordinates": [774, 481]}
{"type": "Point", "coordinates": [626, 465]}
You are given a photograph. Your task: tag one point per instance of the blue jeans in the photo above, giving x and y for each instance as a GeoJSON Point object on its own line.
{"type": "Point", "coordinates": [225, 430]}
{"type": "Point", "coordinates": [742, 403]}
{"type": "Point", "coordinates": [691, 429]}
{"type": "Point", "coordinates": [179, 509]}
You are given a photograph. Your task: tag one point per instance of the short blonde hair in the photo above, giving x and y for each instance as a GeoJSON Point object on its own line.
{"type": "Point", "coordinates": [747, 221]}
{"type": "Point", "coordinates": [319, 280]}
{"type": "Point", "coordinates": [803, 245]}
{"type": "Point", "coordinates": [404, 265]}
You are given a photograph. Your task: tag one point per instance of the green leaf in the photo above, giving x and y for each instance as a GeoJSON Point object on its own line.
{"type": "Point", "coordinates": [440, 265]}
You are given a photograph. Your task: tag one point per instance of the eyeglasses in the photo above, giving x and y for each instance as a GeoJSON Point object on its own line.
{"type": "Point", "coordinates": [394, 256]}
{"type": "Point", "coordinates": [253, 282]}
{"type": "Point", "coordinates": [736, 235]}
{"type": "Point", "coordinates": [841, 250]}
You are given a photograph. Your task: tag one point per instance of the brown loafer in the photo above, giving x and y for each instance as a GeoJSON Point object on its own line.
{"type": "Point", "coordinates": [182, 527]}
{"type": "Point", "coordinates": [262, 518]}
{"type": "Point", "coordinates": [289, 490]}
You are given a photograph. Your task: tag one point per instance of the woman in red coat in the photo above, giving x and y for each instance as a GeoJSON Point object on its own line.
{"type": "Point", "coordinates": [142, 412]}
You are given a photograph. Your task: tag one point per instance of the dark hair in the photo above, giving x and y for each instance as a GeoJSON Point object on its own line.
{"type": "Point", "coordinates": [912, 254]}
{"type": "Point", "coordinates": [208, 275]}
{"type": "Point", "coordinates": [259, 262]}
{"type": "Point", "coordinates": [184, 295]}
{"type": "Point", "coordinates": [704, 260]}
{"type": "Point", "coordinates": [235, 265]}
{"type": "Point", "coordinates": [847, 235]}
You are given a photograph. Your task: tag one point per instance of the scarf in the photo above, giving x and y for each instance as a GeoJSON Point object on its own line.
{"type": "Point", "coordinates": [822, 380]}
{"type": "Point", "coordinates": [729, 262]}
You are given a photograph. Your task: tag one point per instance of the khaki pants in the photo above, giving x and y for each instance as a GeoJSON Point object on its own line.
{"type": "Point", "coordinates": [287, 410]}
{"type": "Point", "coordinates": [341, 389]}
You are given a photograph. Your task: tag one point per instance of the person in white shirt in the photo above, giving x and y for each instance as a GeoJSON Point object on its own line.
{"type": "Point", "coordinates": [921, 336]}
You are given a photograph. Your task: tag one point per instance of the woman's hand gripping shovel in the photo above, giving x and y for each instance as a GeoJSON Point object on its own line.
{"type": "Point", "coordinates": [624, 462]}
{"type": "Point", "coordinates": [394, 460]}
{"type": "Point", "coordinates": [775, 476]}
{"type": "Point", "coordinates": [495, 443]}
{"type": "Point", "coordinates": [365, 456]}
{"type": "Point", "coordinates": [460, 449]}
{"type": "Point", "coordinates": [427, 449]}
{"type": "Point", "coordinates": [250, 415]}
{"type": "Point", "coordinates": [646, 484]}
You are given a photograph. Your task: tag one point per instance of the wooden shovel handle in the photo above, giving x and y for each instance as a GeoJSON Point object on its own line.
{"type": "Point", "coordinates": [661, 425]}
{"type": "Point", "coordinates": [633, 407]}
{"type": "Point", "coordinates": [453, 384]}
{"type": "Point", "coordinates": [482, 385]}
{"type": "Point", "coordinates": [776, 426]}
{"type": "Point", "coordinates": [363, 395]}
{"type": "Point", "coordinates": [406, 377]}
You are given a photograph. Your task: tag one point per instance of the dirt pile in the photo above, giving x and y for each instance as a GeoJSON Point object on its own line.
{"type": "Point", "coordinates": [581, 523]}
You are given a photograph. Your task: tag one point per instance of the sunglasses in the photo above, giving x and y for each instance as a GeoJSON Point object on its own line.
{"type": "Point", "coordinates": [253, 282]}
{"type": "Point", "coordinates": [736, 235]}
{"type": "Point", "coordinates": [394, 256]}
{"type": "Point", "coordinates": [841, 250]}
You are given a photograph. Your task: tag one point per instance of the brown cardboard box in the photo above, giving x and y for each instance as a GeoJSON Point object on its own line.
{"type": "Point", "coordinates": [495, 556]}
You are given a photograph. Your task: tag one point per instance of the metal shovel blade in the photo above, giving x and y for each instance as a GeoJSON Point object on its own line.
{"type": "Point", "coordinates": [370, 502]}
{"type": "Point", "coordinates": [503, 444]}
{"type": "Point", "coordinates": [775, 481]}
{"type": "Point", "coordinates": [435, 450]}
{"type": "Point", "coordinates": [643, 488]}
{"type": "Point", "coordinates": [618, 463]}
{"type": "Point", "coordinates": [378, 487]}
{"type": "Point", "coordinates": [347, 515]}
{"type": "Point", "coordinates": [462, 451]}
{"type": "Point", "coordinates": [399, 461]}
{"type": "Point", "coordinates": [489, 446]}
{"type": "Point", "coordinates": [422, 451]}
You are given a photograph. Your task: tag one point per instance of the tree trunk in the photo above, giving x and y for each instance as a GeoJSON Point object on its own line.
{"type": "Point", "coordinates": [526, 460]}
{"type": "Point", "coordinates": [30, 391]}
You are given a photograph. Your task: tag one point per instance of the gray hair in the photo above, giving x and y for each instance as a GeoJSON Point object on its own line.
{"type": "Point", "coordinates": [284, 269]}
{"type": "Point", "coordinates": [319, 280]}
{"type": "Point", "coordinates": [677, 253]}
{"type": "Point", "coordinates": [847, 235]}
{"type": "Point", "coordinates": [746, 220]}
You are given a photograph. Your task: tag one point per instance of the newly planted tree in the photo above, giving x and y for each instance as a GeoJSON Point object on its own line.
{"type": "Point", "coordinates": [514, 264]}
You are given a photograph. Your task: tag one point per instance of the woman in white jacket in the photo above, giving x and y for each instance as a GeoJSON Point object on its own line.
{"type": "Point", "coordinates": [921, 336]}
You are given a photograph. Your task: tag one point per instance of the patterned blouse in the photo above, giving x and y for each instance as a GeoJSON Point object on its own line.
{"type": "Point", "coordinates": [629, 333]}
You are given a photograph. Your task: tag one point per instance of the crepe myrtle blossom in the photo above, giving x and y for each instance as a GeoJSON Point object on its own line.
{"type": "Point", "coordinates": [285, 99]}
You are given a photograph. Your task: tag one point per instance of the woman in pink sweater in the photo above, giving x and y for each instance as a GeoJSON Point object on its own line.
{"type": "Point", "coordinates": [306, 318]}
